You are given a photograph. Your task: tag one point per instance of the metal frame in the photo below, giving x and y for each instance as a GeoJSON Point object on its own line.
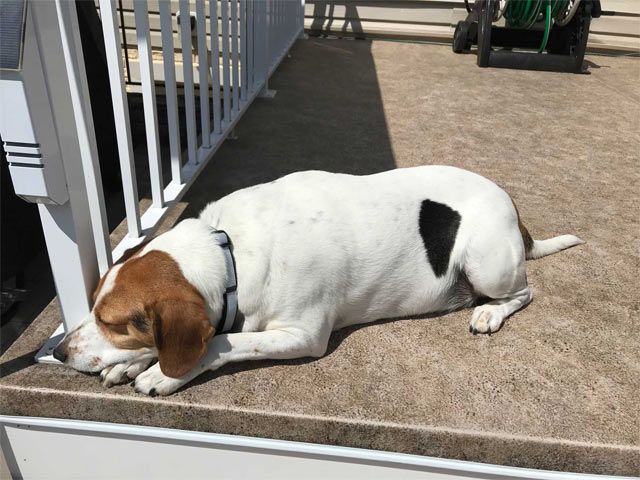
{"type": "Point", "coordinates": [438, 467]}
{"type": "Point", "coordinates": [565, 49]}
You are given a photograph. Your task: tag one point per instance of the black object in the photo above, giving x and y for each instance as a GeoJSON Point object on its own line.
{"type": "Point", "coordinates": [438, 224]}
{"type": "Point", "coordinates": [564, 52]}
{"type": "Point", "coordinates": [95, 61]}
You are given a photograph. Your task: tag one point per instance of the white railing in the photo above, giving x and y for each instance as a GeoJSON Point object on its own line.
{"type": "Point", "coordinates": [254, 36]}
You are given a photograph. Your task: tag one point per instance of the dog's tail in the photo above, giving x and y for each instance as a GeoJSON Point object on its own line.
{"type": "Point", "coordinates": [541, 248]}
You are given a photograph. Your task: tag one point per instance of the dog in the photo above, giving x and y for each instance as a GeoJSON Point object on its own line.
{"type": "Point", "coordinates": [313, 252]}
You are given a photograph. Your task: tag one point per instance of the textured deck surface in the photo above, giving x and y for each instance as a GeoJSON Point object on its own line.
{"type": "Point", "coordinates": [556, 388]}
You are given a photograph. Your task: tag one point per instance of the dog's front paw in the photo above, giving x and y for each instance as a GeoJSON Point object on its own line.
{"type": "Point", "coordinates": [486, 319]}
{"type": "Point", "coordinates": [153, 382]}
{"type": "Point", "coordinates": [123, 372]}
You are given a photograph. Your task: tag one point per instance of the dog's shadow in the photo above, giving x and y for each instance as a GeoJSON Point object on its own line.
{"type": "Point", "coordinates": [337, 337]}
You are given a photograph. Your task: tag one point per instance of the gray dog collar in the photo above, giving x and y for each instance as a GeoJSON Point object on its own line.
{"type": "Point", "coordinates": [230, 308]}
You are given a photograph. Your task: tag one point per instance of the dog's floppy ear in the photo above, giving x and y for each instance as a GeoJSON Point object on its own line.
{"type": "Point", "coordinates": [181, 330]}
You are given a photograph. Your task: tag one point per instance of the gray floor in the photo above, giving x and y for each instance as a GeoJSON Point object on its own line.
{"type": "Point", "coordinates": [556, 388]}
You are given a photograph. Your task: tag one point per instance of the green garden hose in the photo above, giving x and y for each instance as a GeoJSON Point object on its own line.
{"type": "Point", "coordinates": [525, 13]}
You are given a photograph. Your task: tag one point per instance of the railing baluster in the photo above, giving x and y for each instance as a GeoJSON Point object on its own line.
{"type": "Point", "coordinates": [171, 90]}
{"type": "Point", "coordinates": [234, 55]}
{"type": "Point", "coordinates": [121, 114]}
{"type": "Point", "coordinates": [277, 26]}
{"type": "Point", "coordinates": [80, 101]}
{"type": "Point", "coordinates": [203, 70]}
{"type": "Point", "coordinates": [149, 101]}
{"type": "Point", "coordinates": [187, 67]}
{"type": "Point", "coordinates": [243, 49]}
{"type": "Point", "coordinates": [224, 14]}
{"type": "Point", "coordinates": [250, 23]}
{"type": "Point", "coordinates": [215, 66]}
{"type": "Point", "coordinates": [260, 46]}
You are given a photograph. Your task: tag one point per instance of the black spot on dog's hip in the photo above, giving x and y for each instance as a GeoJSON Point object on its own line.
{"type": "Point", "coordinates": [438, 228]}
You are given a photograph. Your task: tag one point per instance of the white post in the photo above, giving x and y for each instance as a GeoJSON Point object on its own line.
{"type": "Point", "coordinates": [203, 70]}
{"type": "Point", "coordinates": [121, 115]}
{"type": "Point", "coordinates": [68, 227]}
{"type": "Point", "coordinates": [171, 91]}
{"type": "Point", "coordinates": [234, 57]}
{"type": "Point", "coordinates": [141, 14]}
{"type": "Point", "coordinates": [187, 70]}
{"type": "Point", "coordinates": [226, 78]}
{"type": "Point", "coordinates": [72, 48]}
{"type": "Point", "coordinates": [215, 67]}
{"type": "Point", "coordinates": [266, 26]}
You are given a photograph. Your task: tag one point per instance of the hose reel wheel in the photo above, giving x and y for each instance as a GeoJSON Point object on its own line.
{"type": "Point", "coordinates": [462, 40]}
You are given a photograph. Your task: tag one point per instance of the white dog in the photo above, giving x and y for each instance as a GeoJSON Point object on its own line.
{"type": "Point", "coordinates": [313, 252]}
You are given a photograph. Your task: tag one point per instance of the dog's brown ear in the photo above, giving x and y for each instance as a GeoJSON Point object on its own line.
{"type": "Point", "coordinates": [181, 330]}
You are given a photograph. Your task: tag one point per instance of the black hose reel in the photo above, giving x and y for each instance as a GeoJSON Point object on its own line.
{"type": "Point", "coordinates": [561, 48]}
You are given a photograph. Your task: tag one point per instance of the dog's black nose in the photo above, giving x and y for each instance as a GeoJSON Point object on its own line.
{"type": "Point", "coordinates": [58, 354]}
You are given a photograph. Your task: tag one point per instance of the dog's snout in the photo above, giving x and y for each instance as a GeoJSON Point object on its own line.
{"type": "Point", "coordinates": [59, 354]}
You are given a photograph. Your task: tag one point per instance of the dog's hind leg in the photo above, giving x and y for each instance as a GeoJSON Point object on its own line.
{"type": "Point", "coordinates": [495, 266]}
{"type": "Point", "coordinates": [284, 343]}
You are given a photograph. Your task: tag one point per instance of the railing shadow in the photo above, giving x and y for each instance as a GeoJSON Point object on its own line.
{"type": "Point", "coordinates": [328, 115]}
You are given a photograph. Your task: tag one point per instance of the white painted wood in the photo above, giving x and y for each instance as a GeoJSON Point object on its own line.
{"type": "Point", "coordinates": [203, 70]}
{"type": "Point", "coordinates": [434, 20]}
{"type": "Point", "coordinates": [121, 115]}
{"type": "Point", "coordinates": [243, 49]}
{"type": "Point", "coordinates": [250, 56]}
{"type": "Point", "coordinates": [189, 93]}
{"type": "Point", "coordinates": [224, 15]}
{"type": "Point", "coordinates": [67, 228]}
{"type": "Point", "coordinates": [173, 192]}
{"type": "Point", "coordinates": [46, 76]}
{"type": "Point", "coordinates": [79, 90]}
{"type": "Point", "coordinates": [234, 56]}
{"type": "Point", "coordinates": [149, 102]}
{"type": "Point", "coordinates": [31, 447]}
{"type": "Point", "coordinates": [171, 92]}
{"type": "Point", "coordinates": [215, 69]}
{"type": "Point", "coordinates": [428, 19]}
{"type": "Point", "coordinates": [261, 42]}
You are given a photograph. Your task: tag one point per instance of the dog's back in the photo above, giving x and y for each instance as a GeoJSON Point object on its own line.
{"type": "Point", "coordinates": [388, 244]}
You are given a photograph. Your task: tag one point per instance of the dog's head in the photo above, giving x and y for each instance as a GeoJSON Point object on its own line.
{"type": "Point", "coordinates": [142, 305]}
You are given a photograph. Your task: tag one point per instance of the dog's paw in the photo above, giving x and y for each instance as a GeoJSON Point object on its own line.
{"type": "Point", "coordinates": [153, 382]}
{"type": "Point", "coordinates": [123, 372]}
{"type": "Point", "coordinates": [486, 319]}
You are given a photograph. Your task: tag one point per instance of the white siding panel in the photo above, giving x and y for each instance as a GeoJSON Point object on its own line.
{"type": "Point", "coordinates": [434, 20]}
{"type": "Point", "coordinates": [402, 19]}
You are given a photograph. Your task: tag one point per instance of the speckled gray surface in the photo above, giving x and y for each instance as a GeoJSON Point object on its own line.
{"type": "Point", "coordinates": [556, 388]}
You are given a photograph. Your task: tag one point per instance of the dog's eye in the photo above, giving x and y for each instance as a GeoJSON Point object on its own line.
{"type": "Point", "coordinates": [139, 322]}
{"type": "Point", "coordinates": [120, 329]}
{"type": "Point", "coordinates": [113, 327]}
